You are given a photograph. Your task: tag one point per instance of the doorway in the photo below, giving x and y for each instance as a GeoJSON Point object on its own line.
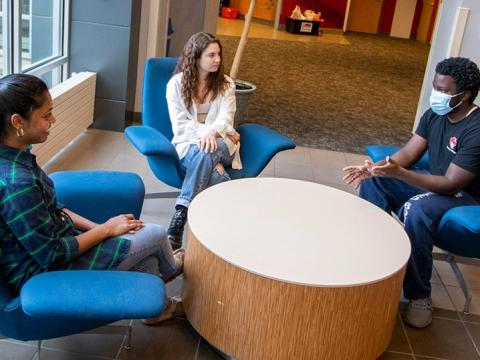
{"type": "Point", "coordinates": [427, 21]}
{"type": "Point", "coordinates": [364, 16]}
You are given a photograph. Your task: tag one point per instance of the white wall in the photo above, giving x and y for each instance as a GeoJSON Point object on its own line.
{"type": "Point", "coordinates": [471, 38]}
{"type": "Point", "coordinates": [445, 28]}
{"type": "Point", "coordinates": [403, 18]}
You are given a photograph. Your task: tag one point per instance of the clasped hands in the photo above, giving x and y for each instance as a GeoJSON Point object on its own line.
{"type": "Point", "coordinates": [208, 143]}
{"type": "Point", "coordinates": [122, 224]}
{"type": "Point", "coordinates": [357, 173]}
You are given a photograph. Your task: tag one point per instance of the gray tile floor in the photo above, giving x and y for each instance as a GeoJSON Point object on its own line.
{"type": "Point", "coordinates": [452, 335]}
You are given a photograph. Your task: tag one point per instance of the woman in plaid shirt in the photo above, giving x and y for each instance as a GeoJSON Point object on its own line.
{"type": "Point", "coordinates": [36, 233]}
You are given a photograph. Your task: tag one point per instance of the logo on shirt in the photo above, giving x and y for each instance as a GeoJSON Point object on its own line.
{"type": "Point", "coordinates": [452, 145]}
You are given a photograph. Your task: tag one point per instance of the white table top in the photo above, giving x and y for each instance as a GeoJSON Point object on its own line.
{"type": "Point", "coordinates": [298, 232]}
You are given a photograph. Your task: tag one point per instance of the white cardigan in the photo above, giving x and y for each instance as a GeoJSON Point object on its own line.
{"type": "Point", "coordinates": [187, 130]}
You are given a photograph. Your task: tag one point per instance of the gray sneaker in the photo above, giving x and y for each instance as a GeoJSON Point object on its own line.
{"type": "Point", "coordinates": [418, 313]}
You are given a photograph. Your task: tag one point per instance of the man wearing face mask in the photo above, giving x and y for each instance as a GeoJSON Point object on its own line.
{"type": "Point", "coordinates": [450, 131]}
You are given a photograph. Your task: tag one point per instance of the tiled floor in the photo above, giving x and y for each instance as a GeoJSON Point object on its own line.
{"type": "Point", "coordinates": [452, 335]}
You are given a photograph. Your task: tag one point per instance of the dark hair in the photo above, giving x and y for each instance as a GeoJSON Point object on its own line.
{"type": "Point", "coordinates": [192, 51]}
{"type": "Point", "coordinates": [19, 94]}
{"type": "Point", "coordinates": [464, 72]}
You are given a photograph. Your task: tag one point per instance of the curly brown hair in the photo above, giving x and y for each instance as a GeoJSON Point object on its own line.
{"type": "Point", "coordinates": [192, 51]}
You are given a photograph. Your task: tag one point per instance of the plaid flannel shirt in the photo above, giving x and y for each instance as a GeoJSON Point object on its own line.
{"type": "Point", "coordinates": [35, 235]}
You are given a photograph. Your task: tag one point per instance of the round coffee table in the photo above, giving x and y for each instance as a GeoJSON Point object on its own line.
{"type": "Point", "coordinates": [288, 269]}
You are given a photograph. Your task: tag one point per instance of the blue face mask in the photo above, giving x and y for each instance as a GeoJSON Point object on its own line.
{"type": "Point", "coordinates": [440, 102]}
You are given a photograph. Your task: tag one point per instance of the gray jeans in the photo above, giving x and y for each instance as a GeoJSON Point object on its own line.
{"type": "Point", "coordinates": [150, 252]}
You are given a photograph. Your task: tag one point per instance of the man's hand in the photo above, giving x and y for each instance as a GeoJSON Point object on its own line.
{"type": "Point", "coordinates": [234, 137]}
{"type": "Point", "coordinates": [122, 224]}
{"type": "Point", "coordinates": [389, 169]}
{"type": "Point", "coordinates": [357, 173]}
{"type": "Point", "coordinates": [208, 143]}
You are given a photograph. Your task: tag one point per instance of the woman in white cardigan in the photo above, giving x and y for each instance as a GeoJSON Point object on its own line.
{"type": "Point", "coordinates": [201, 104]}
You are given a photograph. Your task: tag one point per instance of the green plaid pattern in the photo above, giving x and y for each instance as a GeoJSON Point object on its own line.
{"type": "Point", "coordinates": [35, 235]}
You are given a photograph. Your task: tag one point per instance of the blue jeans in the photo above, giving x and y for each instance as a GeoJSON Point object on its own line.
{"type": "Point", "coordinates": [150, 252]}
{"type": "Point", "coordinates": [421, 213]}
{"type": "Point", "coordinates": [200, 171]}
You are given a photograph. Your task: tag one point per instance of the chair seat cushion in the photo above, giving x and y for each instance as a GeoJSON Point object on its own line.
{"type": "Point", "coordinates": [465, 216]}
{"type": "Point", "coordinates": [89, 294]}
{"type": "Point", "coordinates": [459, 231]}
{"type": "Point", "coordinates": [259, 145]}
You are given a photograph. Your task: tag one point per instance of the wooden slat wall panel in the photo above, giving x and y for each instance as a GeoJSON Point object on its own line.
{"type": "Point", "coordinates": [73, 102]}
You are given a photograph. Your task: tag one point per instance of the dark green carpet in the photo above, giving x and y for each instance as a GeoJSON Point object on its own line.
{"type": "Point", "coordinates": [336, 97]}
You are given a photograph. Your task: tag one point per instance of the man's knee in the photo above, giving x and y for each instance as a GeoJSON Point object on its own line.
{"type": "Point", "coordinates": [367, 188]}
{"type": "Point", "coordinates": [417, 207]}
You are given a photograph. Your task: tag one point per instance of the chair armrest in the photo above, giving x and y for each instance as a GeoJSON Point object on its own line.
{"type": "Point", "coordinates": [162, 156]}
{"type": "Point", "coordinates": [150, 142]}
{"type": "Point", "coordinates": [259, 145]}
{"type": "Point", "coordinates": [467, 217]}
{"type": "Point", "coordinates": [380, 152]}
{"type": "Point", "coordinates": [93, 294]}
{"type": "Point", "coordinates": [99, 195]}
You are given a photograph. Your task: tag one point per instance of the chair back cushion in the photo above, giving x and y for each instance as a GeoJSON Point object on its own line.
{"type": "Point", "coordinates": [158, 71]}
{"type": "Point", "coordinates": [380, 152]}
{"type": "Point", "coordinates": [99, 195]}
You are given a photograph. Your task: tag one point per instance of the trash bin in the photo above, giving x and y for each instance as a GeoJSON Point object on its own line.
{"type": "Point", "coordinates": [229, 13]}
{"type": "Point", "coordinates": [221, 5]}
{"type": "Point", "coordinates": [304, 27]}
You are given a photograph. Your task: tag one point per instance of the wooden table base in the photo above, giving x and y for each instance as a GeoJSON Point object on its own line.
{"type": "Point", "coordinates": [252, 317]}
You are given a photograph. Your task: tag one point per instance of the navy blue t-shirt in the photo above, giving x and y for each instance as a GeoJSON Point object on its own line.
{"type": "Point", "coordinates": [453, 142]}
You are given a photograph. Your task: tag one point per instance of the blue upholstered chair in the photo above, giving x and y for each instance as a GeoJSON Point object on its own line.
{"type": "Point", "coordinates": [458, 233]}
{"type": "Point", "coordinates": [152, 139]}
{"type": "Point", "coordinates": [61, 303]}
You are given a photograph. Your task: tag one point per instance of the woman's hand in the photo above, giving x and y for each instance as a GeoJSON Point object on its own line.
{"type": "Point", "coordinates": [122, 224]}
{"type": "Point", "coordinates": [234, 137]}
{"type": "Point", "coordinates": [358, 173]}
{"type": "Point", "coordinates": [208, 143]}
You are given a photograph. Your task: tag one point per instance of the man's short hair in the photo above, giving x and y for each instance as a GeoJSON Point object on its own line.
{"type": "Point", "coordinates": [464, 72]}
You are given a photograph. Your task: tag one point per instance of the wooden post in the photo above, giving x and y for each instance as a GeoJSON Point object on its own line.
{"type": "Point", "coordinates": [243, 41]}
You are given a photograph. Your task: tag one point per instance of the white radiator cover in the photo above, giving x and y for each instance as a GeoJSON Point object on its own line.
{"type": "Point", "coordinates": [73, 104]}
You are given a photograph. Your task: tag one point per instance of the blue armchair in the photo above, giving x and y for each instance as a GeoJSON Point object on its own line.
{"type": "Point", "coordinates": [152, 139]}
{"type": "Point", "coordinates": [61, 303]}
{"type": "Point", "coordinates": [458, 233]}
